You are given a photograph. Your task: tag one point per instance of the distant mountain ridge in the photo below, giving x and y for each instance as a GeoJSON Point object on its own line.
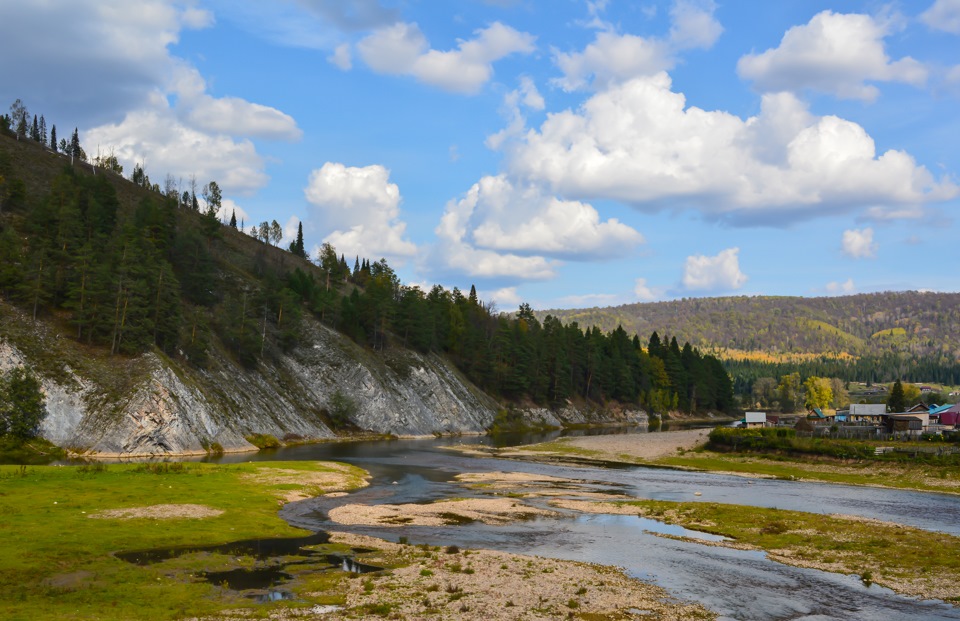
{"type": "Point", "coordinates": [781, 328]}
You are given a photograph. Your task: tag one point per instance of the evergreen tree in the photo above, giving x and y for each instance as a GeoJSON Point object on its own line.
{"type": "Point", "coordinates": [43, 131]}
{"type": "Point", "coordinates": [35, 130]}
{"type": "Point", "coordinates": [75, 149]}
{"type": "Point", "coordinates": [300, 250]}
{"type": "Point", "coordinates": [233, 219]}
{"type": "Point", "coordinates": [22, 404]}
{"type": "Point", "coordinates": [53, 138]}
{"type": "Point", "coordinates": [897, 401]}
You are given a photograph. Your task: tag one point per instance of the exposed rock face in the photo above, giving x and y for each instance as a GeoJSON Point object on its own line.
{"type": "Point", "coordinates": [153, 405]}
{"type": "Point", "coordinates": [173, 409]}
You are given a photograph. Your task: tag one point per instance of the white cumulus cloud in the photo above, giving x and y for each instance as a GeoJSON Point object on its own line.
{"type": "Point", "coordinates": [402, 49]}
{"type": "Point", "coordinates": [111, 71]}
{"type": "Point", "coordinates": [156, 138]}
{"type": "Point", "coordinates": [228, 115]}
{"type": "Point", "coordinates": [638, 142]}
{"type": "Point", "coordinates": [859, 244]}
{"type": "Point", "coordinates": [834, 53]}
{"type": "Point", "coordinates": [718, 273]}
{"type": "Point", "coordinates": [943, 15]}
{"type": "Point", "coordinates": [614, 57]}
{"type": "Point", "coordinates": [526, 96]}
{"type": "Point", "coordinates": [495, 214]}
{"type": "Point", "coordinates": [360, 208]}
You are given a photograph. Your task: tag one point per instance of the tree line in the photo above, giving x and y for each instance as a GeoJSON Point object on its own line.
{"type": "Point", "coordinates": [159, 275]}
{"type": "Point", "coordinates": [518, 357]}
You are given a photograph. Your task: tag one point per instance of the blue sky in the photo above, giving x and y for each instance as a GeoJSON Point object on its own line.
{"type": "Point", "coordinates": [565, 153]}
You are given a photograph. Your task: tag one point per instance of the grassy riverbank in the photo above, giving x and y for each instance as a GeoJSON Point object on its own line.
{"type": "Point", "coordinates": [57, 559]}
{"type": "Point", "coordinates": [63, 525]}
{"type": "Point", "coordinates": [900, 475]}
{"type": "Point", "coordinates": [908, 560]}
{"type": "Point", "coordinates": [687, 449]}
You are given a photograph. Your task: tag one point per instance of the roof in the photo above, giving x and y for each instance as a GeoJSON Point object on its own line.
{"type": "Point", "coordinates": [755, 417]}
{"type": "Point", "coordinates": [868, 409]}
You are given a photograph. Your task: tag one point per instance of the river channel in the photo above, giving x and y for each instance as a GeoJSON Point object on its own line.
{"type": "Point", "coordinates": [736, 584]}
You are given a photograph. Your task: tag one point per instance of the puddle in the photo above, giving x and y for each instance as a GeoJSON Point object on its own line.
{"type": "Point", "coordinates": [271, 596]}
{"type": "Point", "coordinates": [280, 554]}
{"type": "Point", "coordinates": [246, 579]}
{"type": "Point", "coordinates": [259, 548]}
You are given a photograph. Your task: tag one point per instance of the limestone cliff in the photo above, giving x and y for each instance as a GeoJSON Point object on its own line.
{"type": "Point", "coordinates": [152, 405]}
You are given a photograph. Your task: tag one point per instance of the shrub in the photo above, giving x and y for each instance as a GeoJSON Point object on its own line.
{"type": "Point", "coordinates": [263, 441]}
{"type": "Point", "coordinates": [22, 404]}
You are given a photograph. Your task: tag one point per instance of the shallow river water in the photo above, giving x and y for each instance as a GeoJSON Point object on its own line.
{"type": "Point", "coordinates": [736, 584]}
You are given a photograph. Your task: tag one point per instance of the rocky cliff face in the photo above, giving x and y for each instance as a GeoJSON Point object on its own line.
{"type": "Point", "coordinates": [167, 408]}
{"type": "Point", "coordinates": [153, 405]}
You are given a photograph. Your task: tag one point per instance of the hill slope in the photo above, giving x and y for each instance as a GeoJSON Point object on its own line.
{"type": "Point", "coordinates": [783, 328]}
{"type": "Point", "coordinates": [156, 329]}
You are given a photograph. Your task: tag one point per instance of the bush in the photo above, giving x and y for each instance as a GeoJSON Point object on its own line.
{"type": "Point", "coordinates": [263, 441]}
{"type": "Point", "coordinates": [342, 409]}
{"type": "Point", "coordinates": [22, 404]}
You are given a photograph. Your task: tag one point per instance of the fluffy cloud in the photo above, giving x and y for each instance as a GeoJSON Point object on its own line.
{"type": "Point", "coordinates": [842, 288]}
{"type": "Point", "coordinates": [457, 258]}
{"type": "Point", "coordinates": [361, 207]}
{"type": "Point", "coordinates": [639, 143]}
{"type": "Point", "coordinates": [613, 57]}
{"type": "Point", "coordinates": [506, 298]}
{"type": "Point", "coordinates": [228, 208]}
{"type": "Point", "coordinates": [834, 53]}
{"type": "Point", "coordinates": [943, 15]}
{"type": "Point", "coordinates": [110, 71]}
{"type": "Point", "coordinates": [155, 137]}
{"type": "Point", "coordinates": [719, 273]}
{"type": "Point", "coordinates": [402, 49]}
{"type": "Point", "coordinates": [527, 96]}
{"type": "Point", "coordinates": [859, 244]}
{"type": "Point", "coordinates": [228, 115]}
{"type": "Point", "coordinates": [644, 292]}
{"type": "Point", "coordinates": [495, 214]}
{"type": "Point", "coordinates": [91, 60]}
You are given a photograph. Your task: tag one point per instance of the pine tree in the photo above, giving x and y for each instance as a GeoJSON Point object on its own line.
{"type": "Point", "coordinates": [233, 219]}
{"type": "Point", "coordinates": [43, 131]}
{"type": "Point", "coordinates": [35, 130]}
{"type": "Point", "coordinates": [53, 138]}
{"type": "Point", "coordinates": [897, 401]}
{"type": "Point", "coordinates": [300, 251]}
{"type": "Point", "coordinates": [75, 149]}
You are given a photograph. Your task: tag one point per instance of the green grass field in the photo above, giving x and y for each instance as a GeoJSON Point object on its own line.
{"type": "Point", "coordinates": [57, 563]}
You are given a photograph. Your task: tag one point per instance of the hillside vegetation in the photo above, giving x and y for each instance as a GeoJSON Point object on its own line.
{"type": "Point", "coordinates": [140, 279]}
{"type": "Point", "coordinates": [876, 336]}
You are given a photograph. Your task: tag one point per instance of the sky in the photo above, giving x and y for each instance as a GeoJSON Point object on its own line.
{"type": "Point", "coordinates": [562, 153]}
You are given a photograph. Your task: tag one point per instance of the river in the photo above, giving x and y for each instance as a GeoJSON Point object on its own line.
{"type": "Point", "coordinates": [736, 584]}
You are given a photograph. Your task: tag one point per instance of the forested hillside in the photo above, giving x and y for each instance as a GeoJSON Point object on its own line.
{"type": "Point", "coordinates": [125, 268]}
{"type": "Point", "coordinates": [877, 336]}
